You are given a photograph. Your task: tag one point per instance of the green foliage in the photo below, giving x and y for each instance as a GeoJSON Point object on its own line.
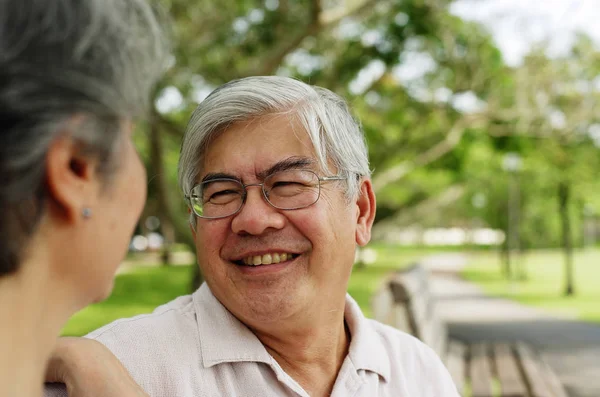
{"type": "Point", "coordinates": [324, 43]}
{"type": "Point", "coordinates": [407, 122]}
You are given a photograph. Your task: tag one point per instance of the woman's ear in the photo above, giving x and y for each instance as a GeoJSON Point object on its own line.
{"type": "Point", "coordinates": [71, 178]}
{"type": "Point", "coordinates": [365, 205]}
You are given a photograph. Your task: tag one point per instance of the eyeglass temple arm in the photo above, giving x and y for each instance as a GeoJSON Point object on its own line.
{"type": "Point", "coordinates": [332, 178]}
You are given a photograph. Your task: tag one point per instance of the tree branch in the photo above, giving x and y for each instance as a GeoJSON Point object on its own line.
{"type": "Point", "coordinates": [408, 217]}
{"type": "Point", "coordinates": [452, 139]}
{"type": "Point", "coordinates": [166, 208]}
{"type": "Point", "coordinates": [319, 20]}
{"type": "Point", "coordinates": [335, 15]}
{"type": "Point", "coordinates": [272, 62]}
{"type": "Point", "coordinates": [172, 128]}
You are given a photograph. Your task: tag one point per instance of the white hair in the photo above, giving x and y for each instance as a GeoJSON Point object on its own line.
{"type": "Point", "coordinates": [336, 136]}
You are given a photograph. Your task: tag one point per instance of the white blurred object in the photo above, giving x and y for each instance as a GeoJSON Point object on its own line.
{"type": "Point", "coordinates": [152, 223]}
{"type": "Point", "coordinates": [512, 162]}
{"type": "Point", "coordinates": [139, 243]}
{"type": "Point", "coordinates": [155, 241]}
{"type": "Point", "coordinates": [443, 236]}
{"type": "Point", "coordinates": [365, 255]}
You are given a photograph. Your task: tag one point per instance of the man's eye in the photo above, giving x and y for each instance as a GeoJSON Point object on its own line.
{"type": "Point", "coordinates": [222, 196]}
{"type": "Point", "coordinates": [288, 183]}
{"type": "Point", "coordinates": [289, 188]}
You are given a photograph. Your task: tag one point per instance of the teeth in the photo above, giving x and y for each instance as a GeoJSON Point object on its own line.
{"type": "Point", "coordinates": [267, 259]}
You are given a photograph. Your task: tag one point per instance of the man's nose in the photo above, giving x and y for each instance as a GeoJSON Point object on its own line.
{"type": "Point", "coordinates": [256, 215]}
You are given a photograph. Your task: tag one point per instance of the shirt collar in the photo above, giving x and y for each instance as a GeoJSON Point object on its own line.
{"type": "Point", "coordinates": [366, 350]}
{"type": "Point", "coordinates": [224, 338]}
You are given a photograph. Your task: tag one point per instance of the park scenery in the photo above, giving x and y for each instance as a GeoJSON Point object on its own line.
{"type": "Point", "coordinates": [483, 128]}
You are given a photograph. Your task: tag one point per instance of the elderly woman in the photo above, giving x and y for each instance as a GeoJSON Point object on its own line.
{"type": "Point", "coordinates": [74, 74]}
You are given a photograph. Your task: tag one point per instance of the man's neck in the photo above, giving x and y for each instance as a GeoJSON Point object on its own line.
{"type": "Point", "coordinates": [30, 323]}
{"type": "Point", "coordinates": [311, 355]}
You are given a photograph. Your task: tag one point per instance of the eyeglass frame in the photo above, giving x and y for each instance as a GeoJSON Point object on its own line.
{"type": "Point", "coordinates": [264, 193]}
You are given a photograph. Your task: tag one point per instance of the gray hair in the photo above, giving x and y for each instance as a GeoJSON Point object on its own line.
{"type": "Point", "coordinates": [336, 136]}
{"type": "Point", "coordinates": [97, 59]}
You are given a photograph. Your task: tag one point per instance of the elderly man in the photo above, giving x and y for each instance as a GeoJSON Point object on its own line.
{"type": "Point", "coordinates": [276, 175]}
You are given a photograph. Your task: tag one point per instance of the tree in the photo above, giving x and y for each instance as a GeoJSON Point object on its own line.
{"type": "Point", "coordinates": [326, 45]}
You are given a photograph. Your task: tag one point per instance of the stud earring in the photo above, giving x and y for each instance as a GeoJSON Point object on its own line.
{"type": "Point", "coordinates": [86, 213]}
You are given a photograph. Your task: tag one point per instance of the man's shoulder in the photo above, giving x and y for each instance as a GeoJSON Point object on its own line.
{"type": "Point", "coordinates": [158, 348]}
{"type": "Point", "coordinates": [414, 361]}
{"type": "Point", "coordinates": [393, 336]}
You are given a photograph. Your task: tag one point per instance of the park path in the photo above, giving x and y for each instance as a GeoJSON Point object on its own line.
{"type": "Point", "coordinates": [571, 348]}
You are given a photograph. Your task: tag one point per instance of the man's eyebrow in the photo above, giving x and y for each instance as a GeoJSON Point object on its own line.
{"type": "Point", "coordinates": [218, 175]}
{"type": "Point", "coordinates": [290, 163]}
{"type": "Point", "coordinates": [295, 162]}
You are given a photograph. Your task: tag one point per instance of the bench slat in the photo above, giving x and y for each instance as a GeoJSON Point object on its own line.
{"type": "Point", "coordinates": [511, 382]}
{"type": "Point", "coordinates": [480, 371]}
{"type": "Point", "coordinates": [382, 305]}
{"type": "Point", "coordinates": [420, 313]}
{"type": "Point", "coordinates": [401, 319]}
{"type": "Point", "coordinates": [455, 362]}
{"type": "Point", "coordinates": [515, 369]}
{"type": "Point", "coordinates": [554, 383]}
{"type": "Point", "coordinates": [440, 334]}
{"type": "Point", "coordinates": [533, 371]}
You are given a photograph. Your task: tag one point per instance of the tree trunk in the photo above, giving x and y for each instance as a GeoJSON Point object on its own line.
{"type": "Point", "coordinates": [514, 228]}
{"type": "Point", "coordinates": [564, 195]}
{"type": "Point", "coordinates": [177, 228]}
{"type": "Point", "coordinates": [159, 178]}
{"type": "Point", "coordinates": [505, 258]}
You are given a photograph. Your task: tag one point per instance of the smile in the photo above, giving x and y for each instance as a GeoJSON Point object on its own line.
{"type": "Point", "coordinates": [267, 259]}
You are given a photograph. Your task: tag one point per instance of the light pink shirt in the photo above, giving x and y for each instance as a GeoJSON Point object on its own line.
{"type": "Point", "coordinates": [193, 346]}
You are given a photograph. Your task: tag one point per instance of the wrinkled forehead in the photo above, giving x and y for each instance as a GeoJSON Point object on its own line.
{"type": "Point", "coordinates": [250, 148]}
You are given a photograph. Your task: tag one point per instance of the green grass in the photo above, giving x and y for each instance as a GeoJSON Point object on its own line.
{"type": "Point", "coordinates": [139, 291]}
{"type": "Point", "coordinates": [144, 288]}
{"type": "Point", "coordinates": [544, 285]}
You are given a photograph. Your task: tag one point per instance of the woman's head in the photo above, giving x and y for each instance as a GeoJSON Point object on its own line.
{"type": "Point", "coordinates": [73, 74]}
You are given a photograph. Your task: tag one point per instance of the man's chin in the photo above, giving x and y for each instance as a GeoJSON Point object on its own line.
{"type": "Point", "coordinates": [270, 309]}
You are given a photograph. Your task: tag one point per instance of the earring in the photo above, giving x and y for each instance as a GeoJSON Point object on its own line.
{"type": "Point", "coordinates": [86, 213]}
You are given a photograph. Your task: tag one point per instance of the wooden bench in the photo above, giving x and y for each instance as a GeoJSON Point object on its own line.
{"type": "Point", "coordinates": [405, 301]}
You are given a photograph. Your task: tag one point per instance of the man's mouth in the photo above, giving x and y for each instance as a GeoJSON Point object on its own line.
{"type": "Point", "coordinates": [267, 259]}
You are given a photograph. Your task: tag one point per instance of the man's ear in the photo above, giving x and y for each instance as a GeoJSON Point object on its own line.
{"type": "Point", "coordinates": [365, 209]}
{"type": "Point", "coordinates": [70, 177]}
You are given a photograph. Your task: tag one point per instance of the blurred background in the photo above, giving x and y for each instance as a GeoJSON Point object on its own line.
{"type": "Point", "coordinates": [483, 128]}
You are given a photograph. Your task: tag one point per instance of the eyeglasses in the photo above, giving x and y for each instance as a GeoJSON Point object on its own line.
{"type": "Point", "coordinates": [284, 190]}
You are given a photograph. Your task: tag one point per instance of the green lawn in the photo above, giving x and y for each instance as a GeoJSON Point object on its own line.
{"type": "Point", "coordinates": [365, 281]}
{"type": "Point", "coordinates": [544, 285]}
{"type": "Point", "coordinates": [143, 288]}
{"type": "Point", "coordinates": [136, 292]}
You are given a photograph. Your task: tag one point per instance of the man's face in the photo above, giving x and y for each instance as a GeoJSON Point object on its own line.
{"type": "Point", "coordinates": [319, 241]}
